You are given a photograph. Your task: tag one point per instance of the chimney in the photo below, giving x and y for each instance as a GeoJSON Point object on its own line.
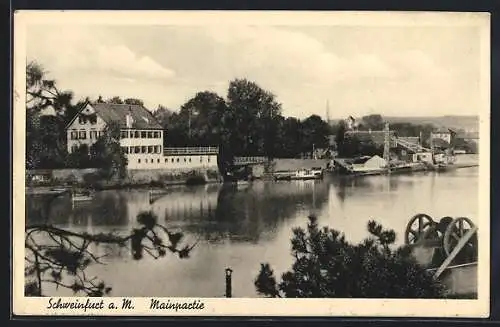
{"type": "Point", "coordinates": [128, 118]}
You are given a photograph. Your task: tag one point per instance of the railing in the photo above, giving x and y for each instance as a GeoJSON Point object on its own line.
{"type": "Point", "coordinates": [249, 160]}
{"type": "Point", "coordinates": [191, 150]}
{"type": "Point", "coordinates": [411, 146]}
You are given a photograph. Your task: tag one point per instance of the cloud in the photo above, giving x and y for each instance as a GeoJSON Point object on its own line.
{"type": "Point", "coordinates": [304, 69]}
{"type": "Point", "coordinates": [88, 51]}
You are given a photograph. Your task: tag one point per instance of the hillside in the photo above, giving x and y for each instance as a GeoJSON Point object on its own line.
{"type": "Point", "coordinates": [470, 123]}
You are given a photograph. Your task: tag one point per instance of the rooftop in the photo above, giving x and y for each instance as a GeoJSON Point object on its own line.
{"type": "Point", "coordinates": [142, 118]}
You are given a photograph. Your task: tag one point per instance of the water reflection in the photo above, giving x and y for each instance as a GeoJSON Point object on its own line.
{"type": "Point", "coordinates": [243, 226]}
{"type": "Point", "coordinates": [228, 213]}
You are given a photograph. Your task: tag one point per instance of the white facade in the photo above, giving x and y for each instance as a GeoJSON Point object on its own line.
{"type": "Point", "coordinates": [174, 162]}
{"type": "Point", "coordinates": [142, 147]}
{"type": "Point", "coordinates": [446, 136]}
{"type": "Point", "coordinates": [85, 129]}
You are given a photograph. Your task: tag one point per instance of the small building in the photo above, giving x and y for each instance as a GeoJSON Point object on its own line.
{"type": "Point", "coordinates": [444, 134]}
{"type": "Point", "coordinates": [369, 163]}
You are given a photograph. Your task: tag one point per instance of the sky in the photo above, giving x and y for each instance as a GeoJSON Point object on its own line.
{"type": "Point", "coordinates": [353, 70]}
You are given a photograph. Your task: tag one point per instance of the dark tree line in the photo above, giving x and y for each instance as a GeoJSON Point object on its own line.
{"type": "Point", "coordinates": [247, 122]}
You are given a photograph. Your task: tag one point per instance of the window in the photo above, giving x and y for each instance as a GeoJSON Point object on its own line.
{"type": "Point", "coordinates": [81, 120]}
{"type": "Point", "coordinates": [151, 149]}
{"type": "Point", "coordinates": [157, 135]}
{"type": "Point", "coordinates": [208, 159]}
{"type": "Point", "coordinates": [201, 159]}
{"type": "Point", "coordinates": [74, 135]}
{"type": "Point", "coordinates": [146, 160]}
{"type": "Point", "coordinates": [158, 149]}
{"type": "Point", "coordinates": [138, 160]}
{"type": "Point", "coordinates": [144, 135]}
{"type": "Point", "coordinates": [177, 159]}
{"type": "Point", "coordinates": [74, 148]}
{"type": "Point", "coordinates": [189, 159]}
{"type": "Point", "coordinates": [125, 149]}
{"type": "Point", "coordinates": [172, 159]}
{"type": "Point", "coordinates": [82, 135]}
{"type": "Point", "coordinates": [166, 160]}
{"type": "Point", "coordinates": [131, 134]}
{"type": "Point", "coordinates": [137, 149]}
{"type": "Point", "coordinates": [93, 135]}
{"type": "Point", "coordinates": [184, 159]}
{"type": "Point", "coordinates": [150, 135]}
{"type": "Point", "coordinates": [136, 134]}
{"type": "Point", "coordinates": [144, 149]}
{"type": "Point", "coordinates": [152, 160]}
{"type": "Point", "coordinates": [123, 134]}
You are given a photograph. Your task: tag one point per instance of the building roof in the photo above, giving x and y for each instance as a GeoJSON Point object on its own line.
{"type": "Point", "coordinates": [440, 143]}
{"type": "Point", "coordinates": [410, 139]}
{"type": "Point", "coordinates": [110, 112]}
{"type": "Point", "coordinates": [142, 117]}
{"type": "Point", "coordinates": [444, 130]}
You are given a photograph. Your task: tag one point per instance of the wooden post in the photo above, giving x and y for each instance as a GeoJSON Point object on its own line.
{"type": "Point", "coordinates": [229, 292]}
{"type": "Point", "coordinates": [455, 251]}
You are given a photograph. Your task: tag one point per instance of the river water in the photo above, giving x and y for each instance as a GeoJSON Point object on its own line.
{"type": "Point", "coordinates": [242, 227]}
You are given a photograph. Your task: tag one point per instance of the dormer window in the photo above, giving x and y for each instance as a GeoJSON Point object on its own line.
{"type": "Point", "coordinates": [81, 120]}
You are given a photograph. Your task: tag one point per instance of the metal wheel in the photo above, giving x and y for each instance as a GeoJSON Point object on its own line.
{"type": "Point", "coordinates": [454, 233]}
{"type": "Point", "coordinates": [419, 227]}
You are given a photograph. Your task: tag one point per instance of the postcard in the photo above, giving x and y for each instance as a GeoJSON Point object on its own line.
{"type": "Point", "coordinates": [233, 163]}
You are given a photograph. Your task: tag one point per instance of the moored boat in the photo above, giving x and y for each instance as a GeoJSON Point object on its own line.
{"type": "Point", "coordinates": [306, 174]}
{"type": "Point", "coordinates": [81, 196]}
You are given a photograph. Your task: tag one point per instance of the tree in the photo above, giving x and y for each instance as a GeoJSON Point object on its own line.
{"type": "Point", "coordinates": [115, 100]}
{"type": "Point", "coordinates": [204, 117]}
{"type": "Point", "coordinates": [252, 113]}
{"type": "Point", "coordinates": [107, 153]}
{"type": "Point", "coordinates": [326, 265]}
{"type": "Point", "coordinates": [60, 257]}
{"type": "Point", "coordinates": [45, 135]}
{"type": "Point", "coordinates": [133, 101]}
{"type": "Point", "coordinates": [315, 133]}
{"type": "Point", "coordinates": [374, 122]}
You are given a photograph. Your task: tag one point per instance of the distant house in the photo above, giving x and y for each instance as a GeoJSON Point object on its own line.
{"type": "Point", "coordinates": [351, 123]}
{"type": "Point", "coordinates": [444, 134]}
{"type": "Point", "coordinates": [141, 137]}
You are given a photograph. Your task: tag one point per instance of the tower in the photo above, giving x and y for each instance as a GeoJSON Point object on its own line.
{"type": "Point", "coordinates": [327, 112]}
{"type": "Point", "coordinates": [387, 143]}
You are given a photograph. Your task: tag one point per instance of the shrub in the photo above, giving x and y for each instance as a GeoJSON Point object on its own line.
{"type": "Point", "coordinates": [326, 265]}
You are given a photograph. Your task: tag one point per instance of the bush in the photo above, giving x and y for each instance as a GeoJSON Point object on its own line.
{"type": "Point", "coordinates": [326, 265]}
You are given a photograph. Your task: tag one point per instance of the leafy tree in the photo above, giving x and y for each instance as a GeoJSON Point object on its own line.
{"type": "Point", "coordinates": [352, 146]}
{"type": "Point", "coordinates": [60, 256]}
{"type": "Point", "coordinates": [45, 135]}
{"type": "Point", "coordinates": [79, 158]}
{"type": "Point", "coordinates": [204, 114]}
{"type": "Point", "coordinates": [315, 133]}
{"type": "Point", "coordinates": [252, 112]}
{"type": "Point", "coordinates": [133, 101]}
{"type": "Point", "coordinates": [115, 100]}
{"type": "Point", "coordinates": [107, 153]}
{"type": "Point", "coordinates": [326, 265]}
{"type": "Point", "coordinates": [374, 122]}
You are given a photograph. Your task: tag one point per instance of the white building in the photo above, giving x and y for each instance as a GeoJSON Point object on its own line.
{"type": "Point", "coordinates": [141, 137]}
{"type": "Point", "coordinates": [443, 134]}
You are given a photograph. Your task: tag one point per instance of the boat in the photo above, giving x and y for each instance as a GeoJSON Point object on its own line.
{"type": "Point", "coordinates": [307, 174]}
{"type": "Point", "coordinates": [82, 196]}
